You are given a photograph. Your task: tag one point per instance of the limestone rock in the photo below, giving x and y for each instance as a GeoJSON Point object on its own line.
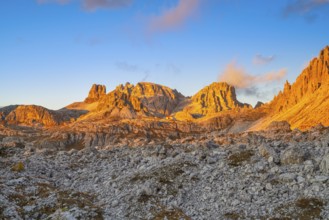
{"type": "Point", "coordinates": [216, 97]}
{"type": "Point", "coordinates": [304, 103]}
{"type": "Point", "coordinates": [259, 104]}
{"type": "Point", "coordinates": [147, 99]}
{"type": "Point", "coordinates": [96, 93]}
{"type": "Point", "coordinates": [32, 114]}
{"type": "Point", "coordinates": [267, 152]}
{"type": "Point", "coordinates": [293, 155]}
{"type": "Point", "coordinates": [282, 126]}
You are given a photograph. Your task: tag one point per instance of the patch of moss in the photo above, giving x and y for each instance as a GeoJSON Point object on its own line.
{"type": "Point", "coordinates": [44, 190]}
{"type": "Point", "coordinates": [233, 216]}
{"type": "Point", "coordinates": [19, 199]}
{"type": "Point", "coordinates": [6, 152]}
{"type": "Point", "coordinates": [76, 146]}
{"type": "Point", "coordinates": [3, 152]}
{"type": "Point", "coordinates": [303, 209]}
{"type": "Point", "coordinates": [312, 207]}
{"type": "Point", "coordinates": [18, 167]}
{"type": "Point", "coordinates": [175, 214]}
{"type": "Point", "coordinates": [144, 198]}
{"type": "Point", "coordinates": [237, 159]}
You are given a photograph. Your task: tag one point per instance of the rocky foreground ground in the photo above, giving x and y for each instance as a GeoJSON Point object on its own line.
{"type": "Point", "coordinates": [274, 174]}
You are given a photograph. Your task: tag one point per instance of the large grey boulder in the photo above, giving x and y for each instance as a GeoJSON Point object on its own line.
{"type": "Point", "coordinates": [293, 155]}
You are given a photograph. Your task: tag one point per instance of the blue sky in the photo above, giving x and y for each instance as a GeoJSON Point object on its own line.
{"type": "Point", "coordinates": [52, 51]}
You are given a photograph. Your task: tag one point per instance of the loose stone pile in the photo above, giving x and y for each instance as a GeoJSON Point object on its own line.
{"type": "Point", "coordinates": [255, 175]}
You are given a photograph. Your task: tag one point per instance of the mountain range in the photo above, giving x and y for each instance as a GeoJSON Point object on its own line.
{"type": "Point", "coordinates": [146, 151]}
{"type": "Point", "coordinates": [302, 104]}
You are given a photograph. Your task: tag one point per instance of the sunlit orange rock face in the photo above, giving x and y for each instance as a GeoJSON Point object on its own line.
{"type": "Point", "coordinates": [96, 93]}
{"type": "Point", "coordinates": [305, 103]}
{"type": "Point", "coordinates": [147, 99]}
{"type": "Point", "coordinates": [214, 98]}
{"type": "Point", "coordinates": [32, 114]}
{"type": "Point", "coordinates": [315, 76]}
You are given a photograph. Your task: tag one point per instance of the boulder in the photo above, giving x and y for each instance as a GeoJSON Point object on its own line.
{"type": "Point", "coordinates": [293, 155]}
{"type": "Point", "coordinates": [283, 126]}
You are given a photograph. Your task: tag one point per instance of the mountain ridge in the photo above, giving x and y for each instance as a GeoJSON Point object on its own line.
{"type": "Point", "coordinates": [303, 104]}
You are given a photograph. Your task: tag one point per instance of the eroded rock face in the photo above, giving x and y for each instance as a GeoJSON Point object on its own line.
{"type": "Point", "coordinates": [96, 93]}
{"type": "Point", "coordinates": [143, 99]}
{"type": "Point", "coordinates": [310, 80]}
{"type": "Point", "coordinates": [214, 98]}
{"type": "Point", "coordinates": [32, 114]}
{"type": "Point", "coordinates": [304, 102]}
{"type": "Point", "coordinates": [259, 104]}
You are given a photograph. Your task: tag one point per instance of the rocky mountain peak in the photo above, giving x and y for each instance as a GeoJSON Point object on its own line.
{"type": "Point", "coordinates": [259, 104]}
{"type": "Point", "coordinates": [310, 80]}
{"type": "Point", "coordinates": [217, 97]}
{"type": "Point", "coordinates": [143, 99]}
{"type": "Point", "coordinates": [31, 115]}
{"type": "Point", "coordinates": [96, 93]}
{"type": "Point", "coordinates": [324, 54]}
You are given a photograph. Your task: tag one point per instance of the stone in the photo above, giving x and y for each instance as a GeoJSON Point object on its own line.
{"type": "Point", "coordinates": [293, 155]}
{"type": "Point", "coordinates": [281, 126]}
{"type": "Point", "coordinates": [321, 178]}
{"type": "Point", "coordinates": [268, 152]}
{"type": "Point", "coordinates": [324, 165]}
{"type": "Point", "coordinates": [287, 177]}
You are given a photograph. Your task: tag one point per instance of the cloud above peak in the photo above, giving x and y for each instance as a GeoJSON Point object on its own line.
{"type": "Point", "coordinates": [92, 5]}
{"type": "Point", "coordinates": [96, 4]}
{"type": "Point", "coordinates": [239, 78]}
{"type": "Point", "coordinates": [304, 6]}
{"type": "Point", "coordinates": [55, 1]}
{"type": "Point", "coordinates": [173, 17]}
{"type": "Point", "coordinates": [262, 60]}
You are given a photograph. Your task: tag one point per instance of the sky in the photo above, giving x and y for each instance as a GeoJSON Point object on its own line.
{"type": "Point", "coordinates": [52, 51]}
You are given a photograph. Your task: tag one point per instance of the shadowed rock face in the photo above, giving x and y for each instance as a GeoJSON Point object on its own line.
{"type": "Point", "coordinates": [143, 99]}
{"type": "Point", "coordinates": [96, 93]}
{"type": "Point", "coordinates": [259, 104]}
{"type": "Point", "coordinates": [214, 98]}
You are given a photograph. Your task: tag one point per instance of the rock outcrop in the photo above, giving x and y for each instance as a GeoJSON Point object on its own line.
{"type": "Point", "coordinates": [96, 93]}
{"type": "Point", "coordinates": [32, 115]}
{"type": "Point", "coordinates": [259, 104]}
{"type": "Point", "coordinates": [305, 103]}
{"type": "Point", "coordinates": [315, 76]}
{"type": "Point", "coordinates": [214, 98]}
{"type": "Point", "coordinates": [145, 99]}
{"type": "Point", "coordinates": [282, 126]}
